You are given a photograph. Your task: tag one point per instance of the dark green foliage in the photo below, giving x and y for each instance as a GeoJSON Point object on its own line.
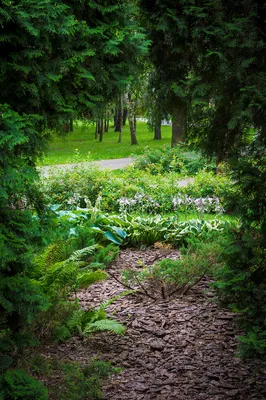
{"type": "Point", "coordinates": [77, 382]}
{"type": "Point", "coordinates": [243, 283]}
{"type": "Point", "coordinates": [221, 45]}
{"type": "Point", "coordinates": [17, 385]}
{"type": "Point", "coordinates": [58, 59]}
{"type": "Point", "coordinates": [169, 29]}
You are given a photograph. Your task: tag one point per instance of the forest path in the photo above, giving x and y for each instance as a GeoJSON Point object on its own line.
{"type": "Point", "coordinates": [182, 349]}
{"type": "Point", "coordinates": [115, 163]}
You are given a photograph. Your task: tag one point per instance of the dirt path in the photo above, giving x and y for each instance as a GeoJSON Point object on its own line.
{"type": "Point", "coordinates": [183, 349]}
{"type": "Point", "coordinates": [116, 163]}
{"type": "Point", "coordinates": [103, 164]}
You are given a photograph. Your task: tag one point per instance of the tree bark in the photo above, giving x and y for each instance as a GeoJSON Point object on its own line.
{"type": "Point", "coordinates": [106, 125]}
{"type": "Point", "coordinates": [97, 128]}
{"type": "Point", "coordinates": [101, 130]}
{"type": "Point", "coordinates": [157, 130]}
{"type": "Point", "coordinates": [117, 119]}
{"type": "Point", "coordinates": [131, 121]}
{"type": "Point", "coordinates": [71, 127]}
{"type": "Point", "coordinates": [120, 119]}
{"type": "Point", "coordinates": [178, 124]}
{"type": "Point", "coordinates": [124, 116]}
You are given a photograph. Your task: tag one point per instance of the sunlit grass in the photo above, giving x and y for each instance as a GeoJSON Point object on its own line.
{"type": "Point", "coordinates": [81, 144]}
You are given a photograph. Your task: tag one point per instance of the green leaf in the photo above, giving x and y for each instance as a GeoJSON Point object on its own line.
{"type": "Point", "coordinates": [113, 238]}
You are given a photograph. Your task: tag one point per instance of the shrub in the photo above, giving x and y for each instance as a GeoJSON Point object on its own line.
{"type": "Point", "coordinates": [138, 191]}
{"type": "Point", "coordinates": [178, 159]}
{"type": "Point", "coordinates": [16, 384]}
{"type": "Point", "coordinates": [76, 382]}
{"type": "Point", "coordinates": [242, 285]}
{"type": "Point", "coordinates": [169, 277]}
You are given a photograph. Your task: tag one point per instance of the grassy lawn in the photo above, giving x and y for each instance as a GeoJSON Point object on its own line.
{"type": "Point", "coordinates": [81, 145]}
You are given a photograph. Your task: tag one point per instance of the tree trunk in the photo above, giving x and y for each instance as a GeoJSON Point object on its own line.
{"type": "Point", "coordinates": [131, 121]}
{"type": "Point", "coordinates": [97, 128]}
{"type": "Point", "coordinates": [120, 119]}
{"type": "Point", "coordinates": [117, 119]}
{"type": "Point", "coordinates": [178, 124]}
{"type": "Point", "coordinates": [157, 129]}
{"type": "Point", "coordinates": [106, 124]}
{"type": "Point", "coordinates": [71, 128]}
{"type": "Point", "coordinates": [101, 130]}
{"type": "Point", "coordinates": [218, 165]}
{"type": "Point", "coordinates": [124, 116]}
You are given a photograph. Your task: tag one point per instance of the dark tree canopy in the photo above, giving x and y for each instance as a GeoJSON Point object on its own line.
{"type": "Point", "coordinates": [58, 59]}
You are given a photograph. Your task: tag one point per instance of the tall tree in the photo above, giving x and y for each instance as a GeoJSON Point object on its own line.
{"type": "Point", "coordinates": [169, 30]}
{"type": "Point", "coordinates": [58, 59]}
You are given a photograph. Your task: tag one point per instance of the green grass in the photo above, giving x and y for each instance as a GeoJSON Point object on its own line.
{"type": "Point", "coordinates": [81, 145]}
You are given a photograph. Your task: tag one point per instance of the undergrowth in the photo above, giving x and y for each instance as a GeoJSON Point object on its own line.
{"type": "Point", "coordinates": [76, 381]}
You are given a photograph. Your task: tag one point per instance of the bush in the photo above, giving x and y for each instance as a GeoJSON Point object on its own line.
{"type": "Point", "coordinates": [76, 382]}
{"type": "Point", "coordinates": [169, 277]}
{"type": "Point", "coordinates": [137, 191]}
{"type": "Point", "coordinates": [177, 159]}
{"type": "Point", "coordinates": [242, 285]}
{"type": "Point", "coordinates": [148, 230]}
{"type": "Point", "coordinates": [16, 384]}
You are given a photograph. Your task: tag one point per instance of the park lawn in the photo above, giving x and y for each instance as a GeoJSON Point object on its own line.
{"type": "Point", "coordinates": [81, 145]}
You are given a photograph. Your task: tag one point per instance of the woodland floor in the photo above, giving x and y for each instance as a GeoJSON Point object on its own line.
{"type": "Point", "coordinates": [182, 349]}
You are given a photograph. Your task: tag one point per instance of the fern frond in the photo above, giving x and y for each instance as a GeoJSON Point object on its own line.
{"type": "Point", "coordinates": [59, 276]}
{"type": "Point", "coordinates": [104, 305]}
{"type": "Point", "coordinates": [54, 253]}
{"type": "Point", "coordinates": [82, 254]}
{"type": "Point", "coordinates": [105, 325]}
{"type": "Point", "coordinates": [61, 333]}
{"type": "Point", "coordinates": [88, 278]}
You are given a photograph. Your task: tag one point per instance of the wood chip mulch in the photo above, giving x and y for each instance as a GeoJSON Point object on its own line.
{"type": "Point", "coordinates": [182, 349]}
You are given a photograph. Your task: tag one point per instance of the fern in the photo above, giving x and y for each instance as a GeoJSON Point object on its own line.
{"type": "Point", "coordinates": [107, 303]}
{"type": "Point", "coordinates": [88, 278]}
{"type": "Point", "coordinates": [59, 277]}
{"type": "Point", "coordinates": [83, 254]}
{"type": "Point", "coordinates": [105, 325]}
{"type": "Point", "coordinates": [61, 333]}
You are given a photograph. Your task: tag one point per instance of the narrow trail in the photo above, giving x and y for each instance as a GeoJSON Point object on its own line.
{"type": "Point", "coordinates": [116, 163]}
{"type": "Point", "coordinates": [182, 349]}
{"type": "Point", "coordinates": [113, 164]}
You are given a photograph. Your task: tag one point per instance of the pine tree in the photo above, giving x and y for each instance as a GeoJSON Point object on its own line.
{"type": "Point", "coordinates": [170, 32]}
{"type": "Point", "coordinates": [58, 60]}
